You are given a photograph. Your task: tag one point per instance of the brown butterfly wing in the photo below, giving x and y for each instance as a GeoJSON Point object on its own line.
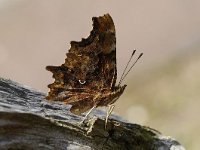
{"type": "Point", "coordinates": [90, 66]}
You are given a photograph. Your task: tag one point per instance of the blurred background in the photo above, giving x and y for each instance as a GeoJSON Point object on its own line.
{"type": "Point", "coordinates": [163, 89]}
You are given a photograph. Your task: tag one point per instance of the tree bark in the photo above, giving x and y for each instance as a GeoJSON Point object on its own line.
{"type": "Point", "coordinates": [29, 122]}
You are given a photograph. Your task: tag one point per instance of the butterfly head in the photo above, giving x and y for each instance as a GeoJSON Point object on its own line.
{"type": "Point", "coordinates": [120, 89]}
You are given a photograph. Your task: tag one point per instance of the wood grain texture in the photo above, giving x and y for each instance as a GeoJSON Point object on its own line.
{"type": "Point", "coordinates": [29, 122]}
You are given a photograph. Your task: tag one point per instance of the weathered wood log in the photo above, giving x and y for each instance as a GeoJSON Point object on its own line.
{"type": "Point", "coordinates": [29, 122]}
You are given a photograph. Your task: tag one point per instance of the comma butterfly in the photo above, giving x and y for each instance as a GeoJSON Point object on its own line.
{"type": "Point", "coordinates": [87, 79]}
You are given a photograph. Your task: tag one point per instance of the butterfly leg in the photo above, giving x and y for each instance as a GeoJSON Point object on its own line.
{"type": "Point", "coordinates": [109, 111]}
{"type": "Point", "coordinates": [85, 117]}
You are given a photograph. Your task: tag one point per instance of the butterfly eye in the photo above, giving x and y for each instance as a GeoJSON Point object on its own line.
{"type": "Point", "coordinates": [82, 81]}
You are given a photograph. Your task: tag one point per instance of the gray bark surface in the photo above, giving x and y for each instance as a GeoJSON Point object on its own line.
{"type": "Point", "coordinates": [29, 122]}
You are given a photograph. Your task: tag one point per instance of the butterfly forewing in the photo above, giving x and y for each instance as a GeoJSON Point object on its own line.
{"type": "Point", "coordinates": [89, 69]}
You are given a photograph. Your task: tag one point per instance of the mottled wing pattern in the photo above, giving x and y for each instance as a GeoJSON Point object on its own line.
{"type": "Point", "coordinates": [89, 67]}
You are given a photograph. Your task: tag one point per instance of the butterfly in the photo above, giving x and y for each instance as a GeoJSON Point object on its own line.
{"type": "Point", "coordinates": [87, 79]}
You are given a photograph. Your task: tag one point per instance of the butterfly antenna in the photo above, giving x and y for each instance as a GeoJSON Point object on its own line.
{"type": "Point", "coordinates": [127, 66]}
{"type": "Point", "coordinates": [130, 68]}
